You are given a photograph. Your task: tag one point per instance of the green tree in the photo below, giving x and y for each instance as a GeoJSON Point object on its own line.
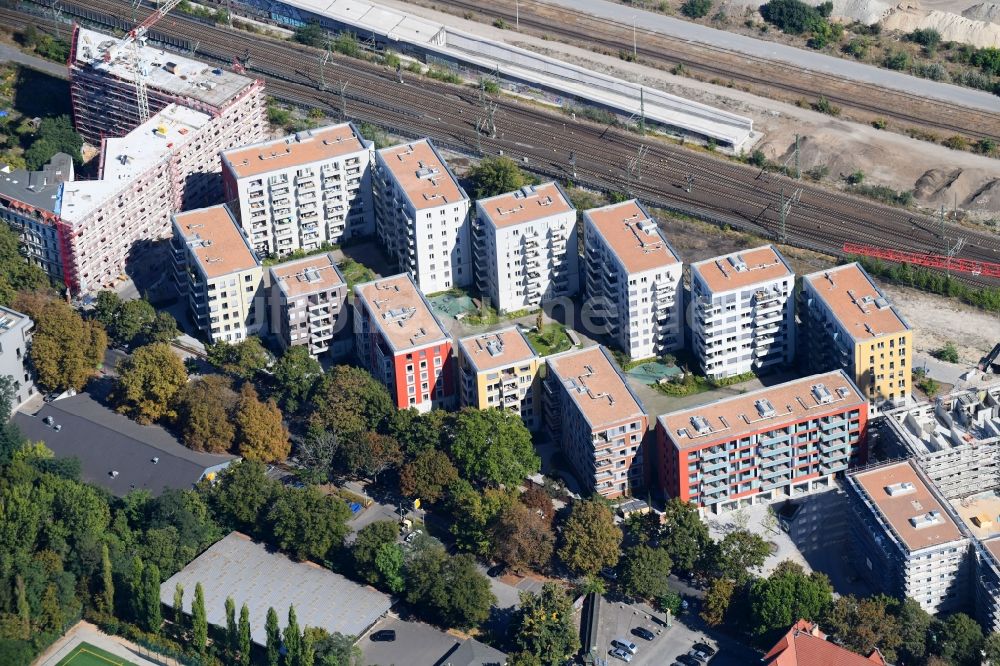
{"type": "Point", "coordinates": [914, 625]}
{"type": "Point", "coordinates": [204, 409]}
{"type": "Point", "coordinates": [260, 430]}
{"type": "Point", "coordinates": [199, 620]}
{"type": "Point", "coordinates": [863, 624]}
{"type": "Point", "coordinates": [292, 639]}
{"type": "Point", "coordinates": [163, 328]}
{"type": "Point", "coordinates": [544, 627]}
{"type": "Point", "coordinates": [245, 644]}
{"type": "Point", "coordinates": [335, 649]}
{"type": "Point", "coordinates": [684, 535]}
{"type": "Point", "coordinates": [522, 538]}
{"type": "Point", "coordinates": [696, 9]}
{"type": "Point", "coordinates": [152, 618]}
{"type": "Point", "coordinates": [65, 349]}
{"type": "Point", "coordinates": [179, 610]}
{"type": "Point", "coordinates": [450, 590]}
{"type": "Point", "coordinates": [368, 454]}
{"type": "Point", "coordinates": [645, 572]}
{"type": "Point", "coordinates": [496, 175]}
{"type": "Point", "coordinates": [232, 630]}
{"type": "Point", "coordinates": [311, 34]}
{"type": "Point", "coordinates": [785, 596]}
{"type": "Point", "coordinates": [427, 476]}
{"type": "Point", "coordinates": [590, 538]}
{"type": "Point", "coordinates": [473, 514]}
{"type": "Point", "coordinates": [147, 382]}
{"type": "Point", "coordinates": [791, 16]}
{"type": "Point", "coordinates": [493, 447]}
{"type": "Point", "coordinates": [349, 401]}
{"type": "Point", "coordinates": [308, 656]}
{"type": "Point", "coordinates": [16, 274]}
{"type": "Point", "coordinates": [307, 524]}
{"type": "Point", "coordinates": [367, 545]}
{"type": "Point", "coordinates": [107, 582]}
{"type": "Point", "coordinates": [419, 432]}
{"type": "Point", "coordinates": [738, 554]}
{"type": "Point", "coordinates": [23, 609]}
{"type": "Point", "coordinates": [131, 319]}
{"type": "Point", "coordinates": [133, 583]}
{"type": "Point", "coordinates": [243, 359]}
{"type": "Point", "coordinates": [293, 378]}
{"type": "Point", "coordinates": [389, 565]}
{"type": "Point", "coordinates": [948, 353]}
{"type": "Point", "coordinates": [242, 495]}
{"type": "Point", "coordinates": [54, 135]}
{"type": "Point", "coordinates": [991, 646]}
{"type": "Point", "coordinates": [273, 638]}
{"type": "Point", "coordinates": [961, 640]}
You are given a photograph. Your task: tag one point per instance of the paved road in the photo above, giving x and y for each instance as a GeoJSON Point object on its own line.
{"type": "Point", "coordinates": [950, 373]}
{"type": "Point", "coordinates": [810, 60]}
{"type": "Point", "coordinates": [10, 54]}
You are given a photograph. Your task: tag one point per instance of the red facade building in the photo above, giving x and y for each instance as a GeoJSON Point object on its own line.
{"type": "Point", "coordinates": [760, 446]}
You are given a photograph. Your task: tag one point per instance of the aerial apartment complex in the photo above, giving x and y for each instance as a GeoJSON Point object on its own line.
{"type": "Point", "coordinates": [102, 91]}
{"type": "Point", "coordinates": [636, 275]}
{"type": "Point", "coordinates": [29, 203]}
{"type": "Point", "coordinates": [775, 442]}
{"type": "Point", "coordinates": [308, 298]}
{"type": "Point", "coordinates": [422, 216]}
{"type": "Point", "coordinates": [525, 247]}
{"type": "Point", "coordinates": [500, 370]}
{"type": "Point", "coordinates": [15, 340]}
{"type": "Point", "coordinates": [400, 341]}
{"type": "Point", "coordinates": [215, 267]}
{"type": "Point", "coordinates": [743, 312]}
{"type": "Point", "coordinates": [601, 423]}
{"type": "Point", "coordinates": [905, 540]}
{"type": "Point", "coordinates": [849, 323]}
{"type": "Point", "coordinates": [303, 190]}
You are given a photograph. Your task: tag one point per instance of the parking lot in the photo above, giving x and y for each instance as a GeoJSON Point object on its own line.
{"type": "Point", "coordinates": [416, 643]}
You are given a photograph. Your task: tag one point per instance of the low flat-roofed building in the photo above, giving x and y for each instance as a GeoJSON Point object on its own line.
{"type": "Point", "coordinates": [307, 302]}
{"type": "Point", "coordinates": [302, 190]}
{"type": "Point", "coordinates": [774, 442]}
{"type": "Point", "coordinates": [849, 323]}
{"type": "Point", "coordinates": [743, 312]}
{"type": "Point", "coordinates": [525, 246]}
{"type": "Point", "coordinates": [400, 341]}
{"type": "Point", "coordinates": [634, 275]}
{"type": "Point", "coordinates": [215, 267]}
{"type": "Point", "coordinates": [906, 542]}
{"type": "Point", "coordinates": [253, 574]}
{"type": "Point", "coordinates": [601, 423]}
{"type": "Point", "coordinates": [954, 438]}
{"type": "Point", "coordinates": [115, 452]}
{"type": "Point", "coordinates": [499, 370]}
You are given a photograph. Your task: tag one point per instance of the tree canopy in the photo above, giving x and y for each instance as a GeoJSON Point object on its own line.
{"type": "Point", "coordinates": [260, 430]}
{"type": "Point", "coordinates": [147, 382]}
{"type": "Point", "coordinates": [544, 627]}
{"type": "Point", "coordinates": [133, 322]}
{"type": "Point", "coordinates": [293, 378]}
{"type": "Point", "coordinates": [493, 447]}
{"type": "Point", "coordinates": [787, 595]}
{"type": "Point", "coordinates": [203, 410]}
{"type": "Point", "coordinates": [65, 349]}
{"type": "Point", "coordinates": [449, 589]}
{"type": "Point", "coordinates": [427, 476]}
{"type": "Point", "coordinates": [243, 359]}
{"type": "Point", "coordinates": [348, 401]}
{"type": "Point", "coordinates": [522, 538]}
{"type": "Point", "coordinates": [496, 175]}
{"type": "Point", "coordinates": [307, 524]}
{"type": "Point", "coordinates": [590, 538]}
{"type": "Point", "coordinates": [16, 274]}
{"type": "Point", "coordinates": [645, 572]}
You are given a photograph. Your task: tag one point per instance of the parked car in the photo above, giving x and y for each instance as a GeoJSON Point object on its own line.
{"type": "Point", "coordinates": [643, 632]}
{"type": "Point", "coordinates": [496, 570]}
{"type": "Point", "coordinates": [688, 660]}
{"type": "Point", "coordinates": [705, 649]}
{"type": "Point", "coordinates": [621, 654]}
{"type": "Point", "coordinates": [384, 635]}
{"type": "Point", "coordinates": [624, 644]}
{"type": "Point", "coordinates": [698, 656]}
{"type": "Point", "coordinates": [412, 535]}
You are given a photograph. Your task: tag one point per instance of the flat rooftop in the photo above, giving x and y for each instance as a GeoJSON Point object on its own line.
{"type": "Point", "coordinates": [860, 306]}
{"type": "Point", "coordinates": [252, 574]}
{"type": "Point", "coordinates": [400, 312]}
{"type": "Point", "coordinates": [123, 159]}
{"type": "Point", "coordinates": [908, 506]}
{"type": "Point", "coordinates": [743, 269]}
{"type": "Point", "coordinates": [596, 386]}
{"type": "Point", "coordinates": [422, 173]}
{"type": "Point", "coordinates": [171, 73]}
{"type": "Point", "coordinates": [299, 149]}
{"type": "Point", "coordinates": [38, 189]}
{"type": "Point", "coordinates": [980, 513]}
{"type": "Point", "coordinates": [106, 442]}
{"type": "Point", "coordinates": [307, 276]}
{"type": "Point", "coordinates": [773, 406]}
{"type": "Point", "coordinates": [633, 235]}
{"type": "Point", "coordinates": [993, 546]}
{"type": "Point", "coordinates": [215, 240]}
{"type": "Point", "coordinates": [9, 319]}
{"type": "Point", "coordinates": [497, 349]}
{"type": "Point", "coordinates": [528, 204]}
{"type": "Point", "coordinates": [368, 17]}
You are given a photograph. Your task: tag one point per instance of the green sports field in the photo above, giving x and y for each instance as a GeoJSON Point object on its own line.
{"type": "Point", "coordinates": [86, 654]}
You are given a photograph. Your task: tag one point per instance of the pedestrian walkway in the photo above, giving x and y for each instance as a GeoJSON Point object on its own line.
{"type": "Point", "coordinates": [9, 53]}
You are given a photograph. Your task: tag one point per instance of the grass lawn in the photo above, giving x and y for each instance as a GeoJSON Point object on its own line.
{"type": "Point", "coordinates": [355, 273]}
{"type": "Point", "coordinates": [551, 340]}
{"type": "Point", "coordinates": [86, 654]}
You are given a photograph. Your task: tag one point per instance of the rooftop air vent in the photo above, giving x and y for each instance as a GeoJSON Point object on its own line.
{"type": "Point", "coordinates": [926, 520]}
{"type": "Point", "coordinates": [494, 347]}
{"type": "Point", "coordinates": [700, 424]}
{"type": "Point", "coordinates": [822, 394]}
{"type": "Point", "coordinates": [736, 261]}
{"type": "Point", "coordinates": [903, 488]}
{"type": "Point", "coordinates": [764, 408]}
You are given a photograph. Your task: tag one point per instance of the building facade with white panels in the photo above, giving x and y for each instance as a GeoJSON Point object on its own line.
{"type": "Point", "coordinates": [15, 341]}
{"type": "Point", "coordinates": [743, 312]}
{"type": "Point", "coordinates": [217, 270]}
{"type": "Point", "coordinates": [525, 247]}
{"type": "Point", "coordinates": [307, 302]}
{"type": "Point", "coordinates": [422, 216]}
{"type": "Point", "coordinates": [303, 190]}
{"type": "Point", "coordinates": [635, 276]}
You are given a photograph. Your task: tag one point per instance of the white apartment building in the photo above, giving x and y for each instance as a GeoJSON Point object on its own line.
{"type": "Point", "coordinates": [215, 267]}
{"type": "Point", "coordinates": [525, 247]}
{"type": "Point", "coordinates": [743, 312]}
{"type": "Point", "coordinates": [15, 340]}
{"type": "Point", "coordinates": [422, 216]}
{"type": "Point", "coordinates": [634, 275]}
{"type": "Point", "coordinates": [303, 190]}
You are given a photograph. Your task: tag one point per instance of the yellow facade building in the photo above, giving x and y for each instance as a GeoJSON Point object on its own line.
{"type": "Point", "coordinates": [500, 369]}
{"type": "Point", "coordinates": [849, 323]}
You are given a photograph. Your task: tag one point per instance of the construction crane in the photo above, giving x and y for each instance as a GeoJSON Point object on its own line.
{"type": "Point", "coordinates": [130, 45]}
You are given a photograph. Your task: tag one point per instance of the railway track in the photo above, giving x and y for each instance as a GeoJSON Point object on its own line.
{"type": "Point", "coordinates": [571, 149]}
{"type": "Point", "coordinates": [600, 34]}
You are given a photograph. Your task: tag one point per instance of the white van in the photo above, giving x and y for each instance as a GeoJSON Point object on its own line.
{"type": "Point", "coordinates": [628, 646]}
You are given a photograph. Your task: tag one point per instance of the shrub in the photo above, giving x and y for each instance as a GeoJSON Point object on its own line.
{"type": "Point", "coordinates": [696, 8]}
{"type": "Point", "coordinates": [956, 142]}
{"type": "Point", "coordinates": [823, 105]}
{"type": "Point", "coordinates": [986, 146]}
{"type": "Point", "coordinates": [880, 123]}
{"type": "Point", "coordinates": [857, 47]}
{"type": "Point", "coordinates": [928, 38]}
{"type": "Point", "coordinates": [792, 16]}
{"type": "Point", "coordinates": [758, 158]}
{"type": "Point", "coordinates": [948, 353]}
{"type": "Point", "coordinates": [897, 60]}
{"type": "Point", "coordinates": [856, 178]}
